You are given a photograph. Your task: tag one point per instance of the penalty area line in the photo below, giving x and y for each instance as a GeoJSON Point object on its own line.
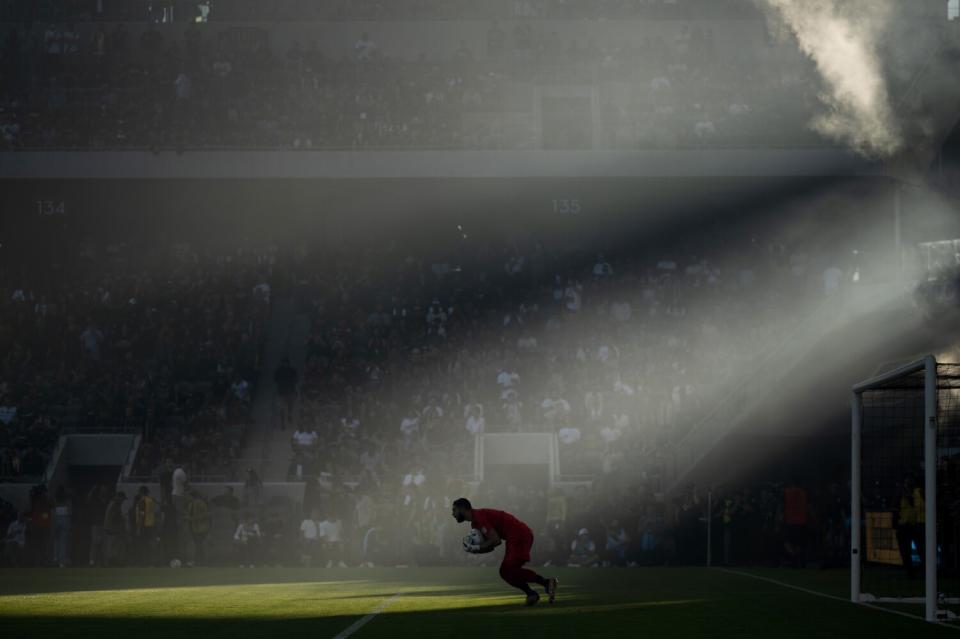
{"type": "Point", "coordinates": [824, 595]}
{"type": "Point", "coordinates": [361, 622]}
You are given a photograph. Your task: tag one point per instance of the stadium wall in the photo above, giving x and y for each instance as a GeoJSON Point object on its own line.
{"type": "Point", "coordinates": [290, 493]}
{"type": "Point", "coordinates": [434, 164]}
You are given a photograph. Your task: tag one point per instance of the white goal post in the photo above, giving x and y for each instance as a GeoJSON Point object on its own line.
{"type": "Point", "coordinates": [928, 366]}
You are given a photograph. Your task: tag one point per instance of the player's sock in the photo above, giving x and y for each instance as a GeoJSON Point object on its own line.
{"type": "Point", "coordinates": [527, 589]}
{"type": "Point", "coordinates": [541, 581]}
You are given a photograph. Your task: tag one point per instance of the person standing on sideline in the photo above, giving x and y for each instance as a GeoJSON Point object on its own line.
{"type": "Point", "coordinates": [115, 530]}
{"type": "Point", "coordinates": [178, 488]}
{"type": "Point", "coordinates": [97, 501]}
{"type": "Point", "coordinates": [198, 516]}
{"type": "Point", "coordinates": [178, 491]}
{"type": "Point", "coordinates": [286, 378]}
{"type": "Point", "coordinates": [247, 538]}
{"type": "Point", "coordinates": [39, 525]}
{"type": "Point", "coordinates": [795, 524]}
{"type": "Point", "coordinates": [15, 544]}
{"type": "Point", "coordinates": [169, 531]}
{"type": "Point", "coordinates": [252, 489]}
{"type": "Point", "coordinates": [62, 528]}
{"type": "Point", "coordinates": [146, 520]}
{"type": "Point", "coordinates": [909, 524]}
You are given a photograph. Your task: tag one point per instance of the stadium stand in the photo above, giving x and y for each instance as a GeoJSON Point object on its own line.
{"type": "Point", "coordinates": [74, 328]}
{"type": "Point", "coordinates": [136, 85]}
{"type": "Point", "coordinates": [410, 354]}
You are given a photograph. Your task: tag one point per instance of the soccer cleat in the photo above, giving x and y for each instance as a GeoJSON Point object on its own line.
{"type": "Point", "coordinates": [552, 584]}
{"type": "Point", "coordinates": [532, 599]}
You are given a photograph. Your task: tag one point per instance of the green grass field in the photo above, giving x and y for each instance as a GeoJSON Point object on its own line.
{"type": "Point", "coordinates": [422, 602]}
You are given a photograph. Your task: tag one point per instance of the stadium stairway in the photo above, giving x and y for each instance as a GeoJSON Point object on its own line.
{"type": "Point", "coordinates": [268, 448]}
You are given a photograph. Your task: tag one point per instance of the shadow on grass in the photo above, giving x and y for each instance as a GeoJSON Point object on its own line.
{"type": "Point", "coordinates": [500, 620]}
{"type": "Point", "coordinates": [714, 618]}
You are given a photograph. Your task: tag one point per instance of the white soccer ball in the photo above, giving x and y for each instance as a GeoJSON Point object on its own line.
{"type": "Point", "coordinates": [473, 538]}
{"type": "Point", "coordinates": [174, 563]}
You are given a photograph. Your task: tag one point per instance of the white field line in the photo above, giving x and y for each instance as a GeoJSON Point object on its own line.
{"type": "Point", "coordinates": [362, 621]}
{"type": "Point", "coordinates": [826, 596]}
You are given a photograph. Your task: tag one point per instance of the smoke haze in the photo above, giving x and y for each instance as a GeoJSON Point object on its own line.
{"type": "Point", "coordinates": [842, 37]}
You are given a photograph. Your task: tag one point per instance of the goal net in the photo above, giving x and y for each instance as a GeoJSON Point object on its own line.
{"type": "Point", "coordinates": [906, 476]}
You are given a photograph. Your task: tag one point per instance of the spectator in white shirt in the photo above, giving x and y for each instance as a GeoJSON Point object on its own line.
{"type": "Point", "coordinates": [179, 488]}
{"type": "Point", "coordinates": [414, 479]}
{"type": "Point", "coordinates": [623, 389]}
{"type": "Point", "coordinates": [409, 425]}
{"type": "Point", "coordinates": [704, 129]}
{"type": "Point", "coordinates": [572, 296]}
{"type": "Point", "coordinates": [602, 268]}
{"type": "Point", "coordinates": [330, 531]}
{"type": "Point", "coordinates": [527, 343]}
{"type": "Point", "coordinates": [90, 340]}
{"type": "Point", "coordinates": [261, 292]}
{"type": "Point", "coordinates": [240, 389]}
{"type": "Point", "coordinates": [436, 317]}
{"type": "Point", "coordinates": [310, 537]}
{"type": "Point", "coordinates": [476, 424]}
{"type": "Point", "coordinates": [555, 410]}
{"type": "Point", "coordinates": [831, 280]}
{"type": "Point", "coordinates": [203, 12]}
{"type": "Point", "coordinates": [604, 353]}
{"type": "Point", "coordinates": [514, 265]}
{"type": "Point", "coordinates": [593, 403]}
{"type": "Point", "coordinates": [8, 412]}
{"type": "Point", "coordinates": [569, 435]}
{"type": "Point", "coordinates": [364, 48]}
{"type": "Point", "coordinates": [247, 538]}
{"type": "Point", "coordinates": [183, 87]}
{"type": "Point", "coordinates": [304, 439]}
{"type": "Point", "coordinates": [507, 379]}
{"type": "Point", "coordinates": [621, 311]}
{"type": "Point", "coordinates": [16, 541]}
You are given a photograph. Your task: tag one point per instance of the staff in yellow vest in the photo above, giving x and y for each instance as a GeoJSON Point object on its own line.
{"type": "Point", "coordinates": [198, 518]}
{"type": "Point", "coordinates": [146, 512]}
{"type": "Point", "coordinates": [910, 520]}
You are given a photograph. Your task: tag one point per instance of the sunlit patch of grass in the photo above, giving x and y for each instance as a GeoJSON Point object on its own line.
{"type": "Point", "coordinates": [265, 601]}
{"type": "Point", "coordinates": [252, 601]}
{"type": "Point", "coordinates": [227, 603]}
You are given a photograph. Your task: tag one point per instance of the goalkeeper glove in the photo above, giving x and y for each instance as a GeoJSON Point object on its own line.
{"type": "Point", "coordinates": [471, 548]}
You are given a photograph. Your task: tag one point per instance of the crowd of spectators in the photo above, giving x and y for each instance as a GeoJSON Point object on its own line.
{"type": "Point", "coordinates": [772, 524]}
{"type": "Point", "coordinates": [114, 337]}
{"type": "Point", "coordinates": [120, 86]}
{"type": "Point", "coordinates": [408, 359]}
{"type": "Point", "coordinates": [202, 11]}
{"type": "Point", "coordinates": [410, 354]}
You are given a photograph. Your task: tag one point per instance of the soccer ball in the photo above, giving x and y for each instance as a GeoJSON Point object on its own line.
{"type": "Point", "coordinates": [174, 563]}
{"type": "Point", "coordinates": [474, 538]}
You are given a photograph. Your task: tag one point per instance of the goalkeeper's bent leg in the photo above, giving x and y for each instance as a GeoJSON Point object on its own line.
{"type": "Point", "coordinates": [513, 572]}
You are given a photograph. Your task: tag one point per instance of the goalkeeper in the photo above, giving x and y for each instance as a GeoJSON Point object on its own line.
{"type": "Point", "coordinates": [498, 526]}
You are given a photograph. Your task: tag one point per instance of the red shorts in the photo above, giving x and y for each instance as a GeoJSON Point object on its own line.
{"type": "Point", "coordinates": [518, 550]}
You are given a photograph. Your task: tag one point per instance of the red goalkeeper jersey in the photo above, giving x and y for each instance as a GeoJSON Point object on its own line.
{"type": "Point", "coordinates": [507, 526]}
